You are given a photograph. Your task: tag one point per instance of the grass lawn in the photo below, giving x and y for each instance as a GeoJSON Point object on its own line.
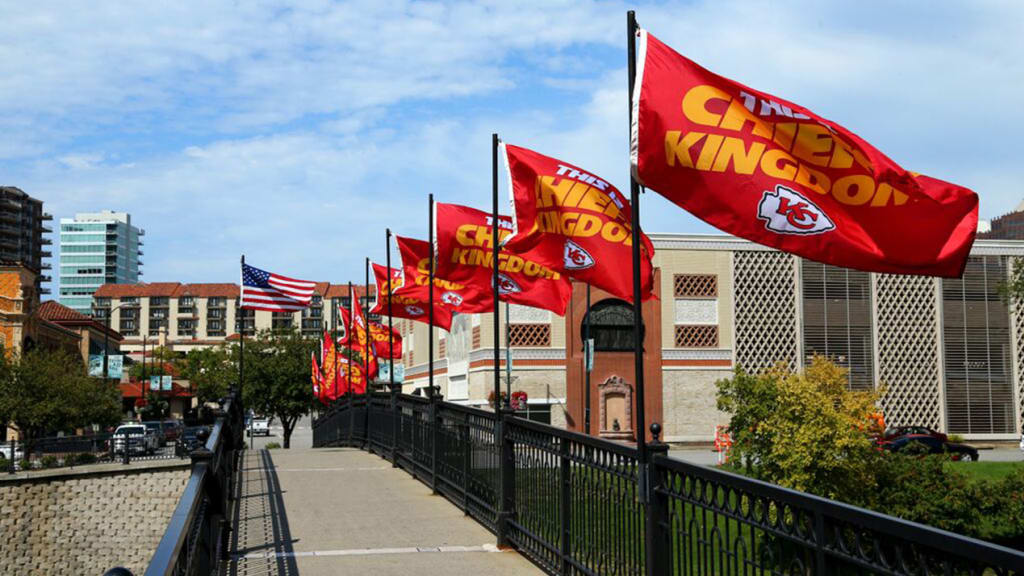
{"type": "Point", "coordinates": [985, 470]}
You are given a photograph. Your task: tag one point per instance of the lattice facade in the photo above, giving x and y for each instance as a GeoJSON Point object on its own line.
{"type": "Point", "coordinates": [1017, 316]}
{"type": "Point", "coordinates": [908, 350]}
{"type": "Point", "coordinates": [697, 336]}
{"type": "Point", "coordinates": [529, 334]}
{"type": "Point", "coordinates": [696, 285]}
{"type": "Point", "coordinates": [765, 309]}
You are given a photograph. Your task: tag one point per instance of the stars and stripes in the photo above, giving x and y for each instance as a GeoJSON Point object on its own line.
{"type": "Point", "coordinates": [262, 290]}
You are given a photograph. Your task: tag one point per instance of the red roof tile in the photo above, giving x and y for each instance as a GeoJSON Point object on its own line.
{"type": "Point", "coordinates": [55, 311]}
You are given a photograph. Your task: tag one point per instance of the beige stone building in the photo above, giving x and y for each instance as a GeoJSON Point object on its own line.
{"type": "Point", "coordinates": [948, 351]}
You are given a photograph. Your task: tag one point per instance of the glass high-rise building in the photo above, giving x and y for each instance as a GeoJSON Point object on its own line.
{"type": "Point", "coordinates": [95, 249]}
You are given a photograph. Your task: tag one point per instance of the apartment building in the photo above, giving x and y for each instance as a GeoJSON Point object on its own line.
{"type": "Point", "coordinates": [22, 229]}
{"type": "Point", "coordinates": [949, 352]}
{"type": "Point", "coordinates": [96, 249]}
{"type": "Point", "coordinates": [184, 317]}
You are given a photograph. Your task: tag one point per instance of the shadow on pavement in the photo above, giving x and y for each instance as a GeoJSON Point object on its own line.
{"type": "Point", "coordinates": [261, 542]}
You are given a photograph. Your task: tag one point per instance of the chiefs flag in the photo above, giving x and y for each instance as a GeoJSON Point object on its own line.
{"type": "Point", "coordinates": [328, 358]}
{"type": "Point", "coordinates": [465, 256]}
{"type": "Point", "coordinates": [314, 372]}
{"type": "Point", "coordinates": [357, 336]}
{"type": "Point", "coordinates": [770, 171]}
{"type": "Point", "coordinates": [382, 344]}
{"type": "Point", "coordinates": [411, 297]}
{"type": "Point", "coordinates": [572, 221]}
{"type": "Point", "coordinates": [351, 377]}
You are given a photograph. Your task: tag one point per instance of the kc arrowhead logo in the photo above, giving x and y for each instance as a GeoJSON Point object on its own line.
{"type": "Point", "coordinates": [575, 257]}
{"type": "Point", "coordinates": [507, 285]}
{"type": "Point", "coordinates": [414, 310]}
{"type": "Point", "coordinates": [786, 211]}
{"type": "Point", "coordinates": [452, 299]}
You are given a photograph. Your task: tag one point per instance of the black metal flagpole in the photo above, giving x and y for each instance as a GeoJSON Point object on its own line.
{"type": "Point", "coordinates": [366, 333]}
{"type": "Point", "coordinates": [350, 392]}
{"type": "Point", "coordinates": [634, 197]}
{"type": "Point", "coordinates": [430, 300]}
{"type": "Point", "coordinates": [588, 352]}
{"type": "Point", "coordinates": [334, 346]}
{"type": "Point", "coordinates": [495, 249]}
{"type": "Point", "coordinates": [241, 345]}
{"type": "Point", "coordinates": [391, 333]}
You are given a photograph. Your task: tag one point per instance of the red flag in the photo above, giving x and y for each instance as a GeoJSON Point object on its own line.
{"type": "Point", "coordinates": [773, 172]}
{"type": "Point", "coordinates": [328, 357]}
{"type": "Point", "coordinates": [465, 256]}
{"type": "Point", "coordinates": [411, 298]}
{"type": "Point", "coordinates": [351, 376]}
{"type": "Point", "coordinates": [382, 344]}
{"type": "Point", "coordinates": [357, 336]}
{"type": "Point", "coordinates": [314, 372]}
{"type": "Point", "coordinates": [574, 222]}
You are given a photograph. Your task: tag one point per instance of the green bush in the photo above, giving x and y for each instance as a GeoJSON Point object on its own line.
{"type": "Point", "coordinates": [25, 464]}
{"type": "Point", "coordinates": [81, 459]}
{"type": "Point", "coordinates": [48, 461]}
{"type": "Point", "coordinates": [272, 446]}
{"type": "Point", "coordinates": [956, 438]}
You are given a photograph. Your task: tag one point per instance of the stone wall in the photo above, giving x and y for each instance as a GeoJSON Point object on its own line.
{"type": "Point", "coordinates": [689, 408]}
{"type": "Point", "coordinates": [84, 521]}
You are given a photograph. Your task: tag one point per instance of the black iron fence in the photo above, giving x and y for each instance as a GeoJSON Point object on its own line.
{"type": "Point", "coordinates": [196, 539]}
{"type": "Point", "coordinates": [81, 450]}
{"type": "Point", "coordinates": [574, 504]}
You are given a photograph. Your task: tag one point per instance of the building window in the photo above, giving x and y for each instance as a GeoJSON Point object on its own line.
{"type": "Point", "coordinates": [611, 326]}
{"type": "Point", "coordinates": [697, 336]}
{"type": "Point", "coordinates": [282, 321]}
{"type": "Point", "coordinates": [976, 337]}
{"type": "Point", "coordinates": [186, 327]}
{"type": "Point", "coordinates": [129, 327]}
{"type": "Point", "coordinates": [529, 335]}
{"type": "Point", "coordinates": [214, 327]}
{"type": "Point", "coordinates": [837, 319]}
{"type": "Point", "coordinates": [696, 285]}
{"type": "Point", "coordinates": [216, 302]}
{"type": "Point", "coordinates": [537, 413]}
{"type": "Point", "coordinates": [248, 319]}
{"type": "Point", "coordinates": [186, 305]}
{"type": "Point", "coordinates": [157, 325]}
{"type": "Point", "coordinates": [158, 301]}
{"type": "Point", "coordinates": [215, 313]}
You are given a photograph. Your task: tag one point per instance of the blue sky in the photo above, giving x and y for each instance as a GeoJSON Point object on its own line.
{"type": "Point", "coordinates": [296, 133]}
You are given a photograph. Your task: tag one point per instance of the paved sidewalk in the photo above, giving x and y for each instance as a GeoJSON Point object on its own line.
{"type": "Point", "coordinates": [343, 511]}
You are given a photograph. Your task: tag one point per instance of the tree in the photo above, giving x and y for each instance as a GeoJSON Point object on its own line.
{"type": "Point", "coordinates": [43, 391]}
{"type": "Point", "coordinates": [276, 377]}
{"type": "Point", "coordinates": [211, 371]}
{"type": "Point", "coordinates": [804, 430]}
{"type": "Point", "coordinates": [155, 364]}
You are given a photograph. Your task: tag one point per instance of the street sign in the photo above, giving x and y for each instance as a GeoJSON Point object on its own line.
{"type": "Point", "coordinates": [115, 365]}
{"type": "Point", "coordinates": [166, 382]}
{"type": "Point", "coordinates": [384, 372]}
{"type": "Point", "coordinates": [96, 365]}
{"type": "Point", "coordinates": [588, 354]}
{"type": "Point", "coordinates": [154, 383]}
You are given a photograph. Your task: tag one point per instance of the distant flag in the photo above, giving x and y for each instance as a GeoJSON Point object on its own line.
{"type": "Point", "coordinates": [410, 298]}
{"type": "Point", "coordinates": [572, 221]}
{"type": "Point", "coordinates": [314, 372]}
{"type": "Point", "coordinates": [464, 256]}
{"type": "Point", "coordinates": [262, 290]}
{"type": "Point", "coordinates": [329, 381]}
{"type": "Point", "coordinates": [381, 342]}
{"type": "Point", "coordinates": [357, 335]}
{"type": "Point", "coordinates": [773, 172]}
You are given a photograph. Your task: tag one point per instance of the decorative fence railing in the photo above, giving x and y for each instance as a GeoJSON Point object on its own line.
{"type": "Point", "coordinates": [574, 504]}
{"type": "Point", "coordinates": [196, 539]}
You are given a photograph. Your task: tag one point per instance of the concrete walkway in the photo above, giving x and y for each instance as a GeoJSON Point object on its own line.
{"type": "Point", "coordinates": [343, 511]}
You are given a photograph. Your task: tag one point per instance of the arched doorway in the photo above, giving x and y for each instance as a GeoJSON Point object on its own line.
{"type": "Point", "coordinates": [612, 392]}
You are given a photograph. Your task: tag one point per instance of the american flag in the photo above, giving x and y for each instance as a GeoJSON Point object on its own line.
{"type": "Point", "coordinates": [262, 290]}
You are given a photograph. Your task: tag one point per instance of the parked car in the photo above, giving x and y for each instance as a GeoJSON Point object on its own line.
{"type": "Point", "coordinates": [932, 445]}
{"type": "Point", "coordinates": [258, 427]}
{"type": "Point", "coordinates": [5, 451]}
{"type": "Point", "coordinates": [172, 430]}
{"type": "Point", "coordinates": [192, 438]}
{"type": "Point", "coordinates": [137, 438]}
{"type": "Point", "coordinates": [157, 429]}
{"type": "Point", "coordinates": [894, 433]}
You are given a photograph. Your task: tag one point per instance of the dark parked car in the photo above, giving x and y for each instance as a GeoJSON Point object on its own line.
{"type": "Point", "coordinates": [192, 438]}
{"type": "Point", "coordinates": [172, 430]}
{"type": "Point", "coordinates": [157, 428]}
{"type": "Point", "coordinates": [894, 433]}
{"type": "Point", "coordinates": [931, 445]}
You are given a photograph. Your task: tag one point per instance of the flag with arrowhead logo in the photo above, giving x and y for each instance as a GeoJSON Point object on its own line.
{"type": "Point", "coordinates": [328, 361]}
{"type": "Point", "coordinates": [382, 343]}
{"type": "Point", "coordinates": [351, 377]}
{"type": "Point", "coordinates": [773, 172]}
{"type": "Point", "coordinates": [410, 298]}
{"type": "Point", "coordinates": [572, 221]}
{"type": "Point", "coordinates": [357, 335]}
{"type": "Point", "coordinates": [465, 256]}
{"type": "Point", "coordinates": [315, 375]}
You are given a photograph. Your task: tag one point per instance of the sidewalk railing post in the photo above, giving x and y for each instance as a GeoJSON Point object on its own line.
{"type": "Point", "coordinates": [396, 426]}
{"type": "Point", "coordinates": [467, 455]}
{"type": "Point", "coordinates": [506, 476]}
{"type": "Point", "coordinates": [435, 436]}
{"type": "Point", "coordinates": [11, 460]}
{"type": "Point", "coordinates": [656, 534]}
{"type": "Point", "coordinates": [351, 420]}
{"type": "Point", "coordinates": [565, 492]}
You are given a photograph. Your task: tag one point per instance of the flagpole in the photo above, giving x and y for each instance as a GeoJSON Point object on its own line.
{"type": "Point", "coordinates": [430, 301]}
{"type": "Point", "coordinates": [634, 197]}
{"type": "Point", "coordinates": [494, 271]}
{"type": "Point", "coordinates": [391, 334]}
{"type": "Point", "coordinates": [334, 347]}
{"type": "Point", "coordinates": [366, 333]}
{"type": "Point", "coordinates": [350, 392]}
{"type": "Point", "coordinates": [241, 345]}
{"type": "Point", "coordinates": [587, 353]}
{"type": "Point", "coordinates": [508, 355]}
